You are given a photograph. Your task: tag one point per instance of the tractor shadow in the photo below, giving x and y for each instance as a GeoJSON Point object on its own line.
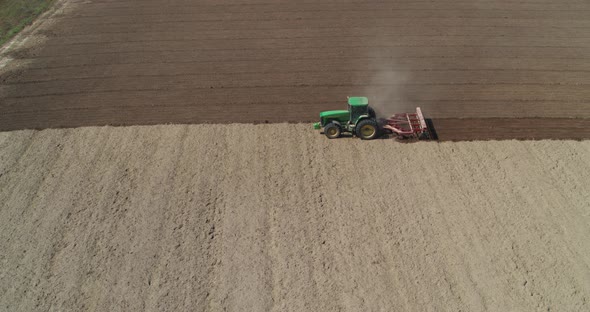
{"type": "Point", "coordinates": [431, 129]}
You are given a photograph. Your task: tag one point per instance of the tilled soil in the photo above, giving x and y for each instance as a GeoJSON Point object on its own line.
{"type": "Point", "coordinates": [460, 129]}
{"type": "Point", "coordinates": [144, 62]}
{"type": "Point", "coordinates": [279, 218]}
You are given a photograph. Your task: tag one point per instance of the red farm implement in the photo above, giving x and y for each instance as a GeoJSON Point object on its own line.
{"type": "Point", "coordinates": [407, 125]}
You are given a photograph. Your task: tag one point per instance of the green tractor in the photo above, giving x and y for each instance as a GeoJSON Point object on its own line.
{"type": "Point", "coordinates": [359, 119]}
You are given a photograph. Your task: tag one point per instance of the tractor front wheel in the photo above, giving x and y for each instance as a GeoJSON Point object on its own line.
{"type": "Point", "coordinates": [332, 131]}
{"type": "Point", "coordinates": [367, 129]}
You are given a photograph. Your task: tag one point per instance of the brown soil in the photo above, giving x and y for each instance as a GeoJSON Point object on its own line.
{"type": "Point", "coordinates": [129, 62]}
{"type": "Point", "coordinates": [505, 129]}
{"type": "Point", "coordinates": [230, 218]}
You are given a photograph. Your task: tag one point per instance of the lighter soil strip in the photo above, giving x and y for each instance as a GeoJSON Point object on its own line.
{"type": "Point", "coordinates": [279, 218]}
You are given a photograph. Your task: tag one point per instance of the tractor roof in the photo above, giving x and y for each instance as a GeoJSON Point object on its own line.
{"type": "Point", "coordinates": [358, 101]}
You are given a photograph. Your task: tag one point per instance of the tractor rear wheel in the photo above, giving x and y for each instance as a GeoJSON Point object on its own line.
{"type": "Point", "coordinates": [367, 129]}
{"type": "Point", "coordinates": [332, 131]}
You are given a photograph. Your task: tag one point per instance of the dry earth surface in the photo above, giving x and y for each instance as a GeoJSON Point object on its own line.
{"type": "Point", "coordinates": [99, 62]}
{"type": "Point", "coordinates": [238, 218]}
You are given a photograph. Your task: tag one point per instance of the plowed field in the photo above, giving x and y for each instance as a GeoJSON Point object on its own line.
{"type": "Point", "coordinates": [228, 218]}
{"type": "Point", "coordinates": [148, 62]}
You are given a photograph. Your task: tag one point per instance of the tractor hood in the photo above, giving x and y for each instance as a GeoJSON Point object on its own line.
{"type": "Point", "coordinates": [335, 114]}
{"type": "Point", "coordinates": [341, 116]}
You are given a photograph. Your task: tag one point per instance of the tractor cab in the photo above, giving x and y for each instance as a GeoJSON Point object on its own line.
{"type": "Point", "coordinates": [358, 107]}
{"type": "Point", "coordinates": [359, 120]}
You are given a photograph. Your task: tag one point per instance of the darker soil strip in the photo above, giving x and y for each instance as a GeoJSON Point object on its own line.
{"type": "Point", "coordinates": [466, 129]}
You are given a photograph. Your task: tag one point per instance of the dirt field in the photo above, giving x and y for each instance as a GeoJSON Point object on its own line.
{"type": "Point", "coordinates": [227, 217]}
{"type": "Point", "coordinates": [141, 62]}
{"type": "Point", "coordinates": [275, 217]}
